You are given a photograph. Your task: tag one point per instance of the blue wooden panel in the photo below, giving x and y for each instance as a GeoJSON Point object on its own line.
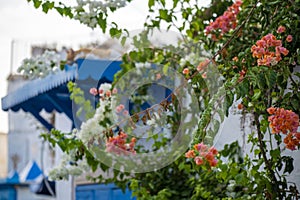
{"type": "Point", "coordinates": [7, 193]}
{"type": "Point", "coordinates": [85, 195]}
{"type": "Point", "coordinates": [101, 192]}
{"type": "Point", "coordinates": [117, 194]}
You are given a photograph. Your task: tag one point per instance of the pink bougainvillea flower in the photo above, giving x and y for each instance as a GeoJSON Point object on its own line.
{"type": "Point", "coordinates": [93, 91]}
{"type": "Point", "coordinates": [190, 154]}
{"type": "Point", "coordinates": [119, 108]}
{"type": "Point", "coordinates": [281, 29]}
{"type": "Point", "coordinates": [203, 65]}
{"type": "Point", "coordinates": [209, 156]}
{"type": "Point", "coordinates": [115, 91]}
{"type": "Point", "coordinates": [213, 150]}
{"type": "Point", "coordinates": [213, 163]}
{"type": "Point", "coordinates": [118, 145]}
{"type": "Point", "coordinates": [108, 93]}
{"type": "Point", "coordinates": [286, 122]}
{"type": "Point", "coordinates": [198, 160]}
{"type": "Point", "coordinates": [200, 147]}
{"type": "Point", "coordinates": [263, 50]}
{"type": "Point", "coordinates": [125, 112]}
{"type": "Point", "coordinates": [186, 71]}
{"type": "Point", "coordinates": [271, 110]}
{"type": "Point", "coordinates": [203, 155]}
{"type": "Point", "coordinates": [224, 23]}
{"type": "Point", "coordinates": [292, 141]}
{"type": "Point", "coordinates": [158, 76]}
{"type": "Point", "coordinates": [289, 38]}
{"type": "Point", "coordinates": [235, 59]}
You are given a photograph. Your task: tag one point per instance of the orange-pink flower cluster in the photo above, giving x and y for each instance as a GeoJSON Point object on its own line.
{"type": "Point", "coordinates": [118, 144]}
{"type": "Point", "coordinates": [286, 122]}
{"type": "Point", "coordinates": [203, 155]}
{"type": "Point", "coordinates": [264, 50]}
{"type": "Point", "coordinates": [226, 22]}
{"type": "Point", "coordinates": [292, 140]}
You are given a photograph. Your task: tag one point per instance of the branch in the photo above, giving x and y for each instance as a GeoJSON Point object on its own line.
{"type": "Point", "coordinates": [263, 152]}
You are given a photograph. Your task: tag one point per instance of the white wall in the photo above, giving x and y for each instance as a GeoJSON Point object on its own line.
{"type": "Point", "coordinates": [3, 155]}
{"type": "Point", "coordinates": [64, 189]}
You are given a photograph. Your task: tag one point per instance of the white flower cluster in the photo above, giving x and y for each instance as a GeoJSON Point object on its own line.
{"type": "Point", "coordinates": [89, 130]}
{"type": "Point", "coordinates": [105, 87]}
{"type": "Point", "coordinates": [41, 65]}
{"type": "Point", "coordinates": [65, 168]}
{"type": "Point", "coordinates": [94, 8]}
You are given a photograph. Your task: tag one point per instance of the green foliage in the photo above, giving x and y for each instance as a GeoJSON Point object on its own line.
{"type": "Point", "coordinates": [77, 95]}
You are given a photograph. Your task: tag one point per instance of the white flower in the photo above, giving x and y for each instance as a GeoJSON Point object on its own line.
{"type": "Point", "coordinates": [105, 87]}
{"type": "Point", "coordinates": [151, 122]}
{"type": "Point", "coordinates": [41, 65]}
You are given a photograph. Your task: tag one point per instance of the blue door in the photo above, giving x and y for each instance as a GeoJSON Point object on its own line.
{"type": "Point", "coordinates": [101, 192]}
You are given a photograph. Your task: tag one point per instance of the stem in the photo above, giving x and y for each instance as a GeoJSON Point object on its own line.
{"type": "Point", "coordinates": [264, 154]}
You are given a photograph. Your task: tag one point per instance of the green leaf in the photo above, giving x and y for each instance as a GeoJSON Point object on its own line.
{"type": "Point", "coordinates": [165, 69]}
{"type": "Point", "coordinates": [275, 153]}
{"type": "Point", "coordinates": [151, 3]}
{"type": "Point", "coordinates": [261, 81]}
{"type": "Point", "coordinates": [257, 94]}
{"type": "Point", "coordinates": [68, 12]}
{"type": "Point", "coordinates": [289, 167]}
{"type": "Point", "coordinates": [271, 77]}
{"type": "Point", "coordinates": [60, 10]}
{"type": "Point", "coordinates": [37, 3]}
{"type": "Point", "coordinates": [47, 6]}
{"type": "Point", "coordinates": [256, 151]}
{"type": "Point", "coordinates": [123, 40]}
{"type": "Point", "coordinates": [102, 22]}
{"type": "Point", "coordinates": [243, 88]}
{"type": "Point", "coordinates": [163, 13]}
{"type": "Point", "coordinates": [175, 2]}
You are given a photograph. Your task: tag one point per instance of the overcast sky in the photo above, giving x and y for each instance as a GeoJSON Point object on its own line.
{"type": "Point", "coordinates": [21, 22]}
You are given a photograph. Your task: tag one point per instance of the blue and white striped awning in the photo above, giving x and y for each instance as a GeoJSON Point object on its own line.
{"type": "Point", "coordinates": [51, 93]}
{"type": "Point", "coordinates": [35, 88]}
